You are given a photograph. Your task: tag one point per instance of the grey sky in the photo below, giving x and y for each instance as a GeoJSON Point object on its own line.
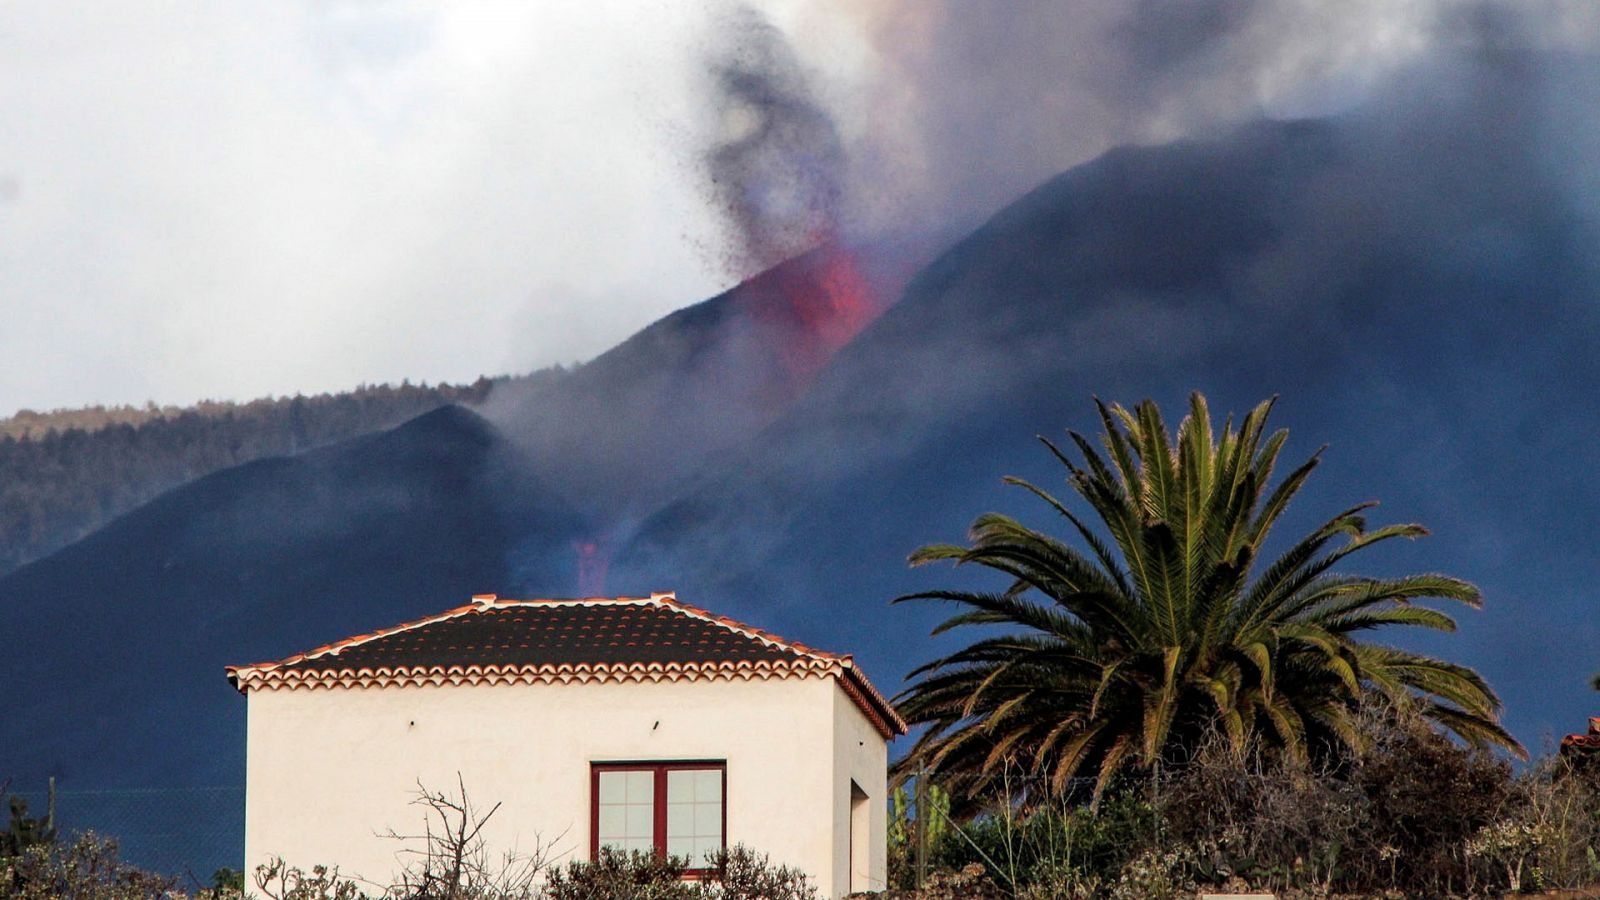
{"type": "Point", "coordinates": [230, 199]}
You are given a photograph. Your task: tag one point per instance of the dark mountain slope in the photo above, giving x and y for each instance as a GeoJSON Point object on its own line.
{"type": "Point", "coordinates": [65, 473]}
{"type": "Point", "coordinates": [1419, 289]}
{"type": "Point", "coordinates": [115, 646]}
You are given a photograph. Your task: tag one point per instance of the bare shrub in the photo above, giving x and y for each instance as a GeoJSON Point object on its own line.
{"type": "Point", "coordinates": [449, 859]}
{"type": "Point", "coordinates": [1427, 797]}
{"type": "Point", "coordinates": [1274, 822]}
{"type": "Point", "coordinates": [1548, 833]}
{"type": "Point", "coordinates": [1396, 818]}
{"type": "Point", "coordinates": [277, 880]}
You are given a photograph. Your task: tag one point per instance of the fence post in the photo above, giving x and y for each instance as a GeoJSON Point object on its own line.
{"type": "Point", "coordinates": [922, 825]}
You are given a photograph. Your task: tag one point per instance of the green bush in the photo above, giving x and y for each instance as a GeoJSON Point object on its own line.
{"type": "Point", "coordinates": [24, 831]}
{"type": "Point", "coordinates": [88, 868]}
{"type": "Point", "coordinates": [1414, 815]}
{"type": "Point", "coordinates": [619, 876]}
{"type": "Point", "coordinates": [736, 874]}
{"type": "Point", "coordinates": [1056, 850]}
{"type": "Point", "coordinates": [743, 874]}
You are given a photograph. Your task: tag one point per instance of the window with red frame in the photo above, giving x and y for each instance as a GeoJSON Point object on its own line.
{"type": "Point", "coordinates": [673, 808]}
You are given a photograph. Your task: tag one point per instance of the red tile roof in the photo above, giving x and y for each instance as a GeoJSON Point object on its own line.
{"type": "Point", "coordinates": [494, 641]}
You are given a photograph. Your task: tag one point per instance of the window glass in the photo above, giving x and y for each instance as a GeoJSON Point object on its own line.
{"type": "Point", "coordinates": [628, 805]}
{"type": "Point", "coordinates": [694, 814]}
{"type": "Point", "coordinates": [627, 810]}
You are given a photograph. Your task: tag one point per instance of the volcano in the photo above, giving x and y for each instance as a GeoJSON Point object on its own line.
{"type": "Point", "coordinates": [1433, 325]}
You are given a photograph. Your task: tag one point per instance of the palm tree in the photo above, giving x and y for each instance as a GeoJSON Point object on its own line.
{"type": "Point", "coordinates": [1119, 654]}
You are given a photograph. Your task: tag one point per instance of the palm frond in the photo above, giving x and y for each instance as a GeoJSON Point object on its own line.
{"type": "Point", "coordinates": [1150, 623]}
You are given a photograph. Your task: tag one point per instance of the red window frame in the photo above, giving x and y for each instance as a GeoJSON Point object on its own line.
{"type": "Point", "coordinates": [659, 826]}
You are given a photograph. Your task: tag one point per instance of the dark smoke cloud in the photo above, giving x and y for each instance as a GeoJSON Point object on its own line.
{"type": "Point", "coordinates": [775, 160]}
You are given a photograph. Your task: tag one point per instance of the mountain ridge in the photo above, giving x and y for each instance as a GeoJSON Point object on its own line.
{"type": "Point", "coordinates": [65, 473]}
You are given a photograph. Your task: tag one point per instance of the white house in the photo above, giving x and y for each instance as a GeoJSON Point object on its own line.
{"type": "Point", "coordinates": [632, 722]}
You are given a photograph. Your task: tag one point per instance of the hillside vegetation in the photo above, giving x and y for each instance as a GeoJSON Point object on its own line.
{"type": "Point", "coordinates": [65, 473]}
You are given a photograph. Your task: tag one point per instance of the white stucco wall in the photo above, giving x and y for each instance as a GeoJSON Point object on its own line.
{"type": "Point", "coordinates": [328, 770]}
{"type": "Point", "coordinates": [860, 755]}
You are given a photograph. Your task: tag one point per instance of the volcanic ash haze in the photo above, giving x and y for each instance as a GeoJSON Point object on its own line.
{"type": "Point", "coordinates": [973, 101]}
{"type": "Point", "coordinates": [957, 106]}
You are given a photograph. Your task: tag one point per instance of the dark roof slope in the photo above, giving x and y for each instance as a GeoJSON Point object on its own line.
{"type": "Point", "coordinates": [610, 632]}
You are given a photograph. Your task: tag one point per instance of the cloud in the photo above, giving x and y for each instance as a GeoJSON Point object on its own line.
{"type": "Point", "coordinates": [218, 199]}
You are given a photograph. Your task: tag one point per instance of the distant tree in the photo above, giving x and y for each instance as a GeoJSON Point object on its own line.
{"type": "Point", "coordinates": [88, 867]}
{"type": "Point", "coordinates": [24, 831]}
{"type": "Point", "coordinates": [1118, 653]}
{"type": "Point", "coordinates": [65, 473]}
{"type": "Point", "coordinates": [228, 879]}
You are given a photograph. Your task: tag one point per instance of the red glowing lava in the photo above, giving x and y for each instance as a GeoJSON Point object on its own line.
{"type": "Point", "coordinates": [841, 301]}
{"type": "Point", "coordinates": [814, 305]}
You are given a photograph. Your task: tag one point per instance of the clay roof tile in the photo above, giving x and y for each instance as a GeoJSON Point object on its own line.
{"type": "Point", "coordinates": [603, 635]}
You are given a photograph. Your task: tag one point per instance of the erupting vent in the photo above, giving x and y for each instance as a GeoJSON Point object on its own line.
{"type": "Point", "coordinates": [832, 305]}
{"type": "Point", "coordinates": [816, 304]}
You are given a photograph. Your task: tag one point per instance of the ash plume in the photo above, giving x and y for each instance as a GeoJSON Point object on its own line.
{"type": "Point", "coordinates": [774, 162]}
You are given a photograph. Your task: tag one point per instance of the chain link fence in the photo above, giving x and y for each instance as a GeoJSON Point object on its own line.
{"type": "Point", "coordinates": [189, 832]}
